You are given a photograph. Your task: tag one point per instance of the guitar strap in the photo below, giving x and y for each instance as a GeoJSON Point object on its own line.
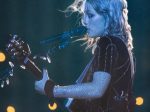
{"type": "Point", "coordinates": [81, 78]}
{"type": "Point", "coordinates": [85, 72]}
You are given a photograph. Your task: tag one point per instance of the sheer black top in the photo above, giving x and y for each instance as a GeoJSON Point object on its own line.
{"type": "Point", "coordinates": [112, 56]}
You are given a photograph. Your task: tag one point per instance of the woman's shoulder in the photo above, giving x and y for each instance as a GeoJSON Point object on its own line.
{"type": "Point", "coordinates": [113, 45]}
{"type": "Point", "coordinates": [110, 40]}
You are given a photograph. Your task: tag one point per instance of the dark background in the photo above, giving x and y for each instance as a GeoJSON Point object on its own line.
{"type": "Point", "coordinates": [34, 20]}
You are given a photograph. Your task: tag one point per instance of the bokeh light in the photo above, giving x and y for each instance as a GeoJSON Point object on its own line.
{"type": "Point", "coordinates": [52, 107]}
{"type": "Point", "coordinates": [139, 101]}
{"type": "Point", "coordinates": [10, 109]}
{"type": "Point", "coordinates": [2, 57]}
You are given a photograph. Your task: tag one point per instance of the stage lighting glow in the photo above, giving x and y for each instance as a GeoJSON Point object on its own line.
{"type": "Point", "coordinates": [10, 109]}
{"type": "Point", "coordinates": [2, 57]}
{"type": "Point", "coordinates": [52, 107]}
{"type": "Point", "coordinates": [139, 101]}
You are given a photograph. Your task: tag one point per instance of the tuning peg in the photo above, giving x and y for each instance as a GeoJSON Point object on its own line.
{"type": "Point", "coordinates": [15, 36]}
{"type": "Point", "coordinates": [11, 64]}
{"type": "Point", "coordinates": [7, 81]}
{"type": "Point", "coordinates": [11, 72]}
{"type": "Point", "coordinates": [9, 45]}
{"type": "Point", "coordinates": [2, 84]}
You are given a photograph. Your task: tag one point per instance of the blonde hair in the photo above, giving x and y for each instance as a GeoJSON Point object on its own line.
{"type": "Point", "coordinates": [115, 13]}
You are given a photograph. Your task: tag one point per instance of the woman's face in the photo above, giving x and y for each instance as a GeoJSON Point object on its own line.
{"type": "Point", "coordinates": [94, 22]}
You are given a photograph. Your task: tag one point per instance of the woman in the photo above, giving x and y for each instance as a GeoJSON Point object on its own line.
{"type": "Point", "coordinates": [107, 86]}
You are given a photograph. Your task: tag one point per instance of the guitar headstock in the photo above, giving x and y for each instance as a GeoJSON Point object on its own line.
{"type": "Point", "coordinates": [20, 54]}
{"type": "Point", "coordinates": [18, 49]}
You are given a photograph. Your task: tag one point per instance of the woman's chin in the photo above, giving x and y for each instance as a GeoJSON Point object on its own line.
{"type": "Point", "coordinates": [92, 35]}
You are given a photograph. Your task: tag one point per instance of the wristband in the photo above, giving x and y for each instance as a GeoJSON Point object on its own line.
{"type": "Point", "coordinates": [49, 86]}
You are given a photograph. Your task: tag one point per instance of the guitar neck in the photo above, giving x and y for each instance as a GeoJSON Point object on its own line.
{"type": "Point", "coordinates": [30, 65]}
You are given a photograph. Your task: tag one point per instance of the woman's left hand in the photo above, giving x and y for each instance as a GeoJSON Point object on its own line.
{"type": "Point", "coordinates": [39, 85]}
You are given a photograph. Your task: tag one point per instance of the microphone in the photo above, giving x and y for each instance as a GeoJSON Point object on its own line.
{"type": "Point", "coordinates": [79, 31]}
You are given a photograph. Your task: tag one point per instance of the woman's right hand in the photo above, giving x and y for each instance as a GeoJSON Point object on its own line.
{"type": "Point", "coordinates": [40, 85]}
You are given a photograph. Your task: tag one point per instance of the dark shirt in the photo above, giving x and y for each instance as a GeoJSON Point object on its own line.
{"type": "Point", "coordinates": [112, 56]}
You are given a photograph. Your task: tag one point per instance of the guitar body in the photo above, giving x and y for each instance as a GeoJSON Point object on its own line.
{"type": "Point", "coordinates": [73, 105]}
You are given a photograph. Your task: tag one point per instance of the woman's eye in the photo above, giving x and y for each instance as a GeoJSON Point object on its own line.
{"type": "Point", "coordinates": [90, 15]}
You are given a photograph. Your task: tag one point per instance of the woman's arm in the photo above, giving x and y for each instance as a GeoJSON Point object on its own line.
{"type": "Point", "coordinates": [89, 90]}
